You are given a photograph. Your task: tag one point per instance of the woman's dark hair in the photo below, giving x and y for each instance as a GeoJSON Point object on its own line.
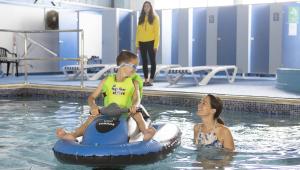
{"type": "Point", "coordinates": [125, 57]}
{"type": "Point", "coordinates": [216, 103]}
{"type": "Point", "coordinates": [143, 14]}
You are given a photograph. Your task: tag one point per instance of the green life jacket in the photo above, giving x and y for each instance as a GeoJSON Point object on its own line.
{"type": "Point", "coordinates": [118, 92]}
{"type": "Point", "coordinates": [134, 77]}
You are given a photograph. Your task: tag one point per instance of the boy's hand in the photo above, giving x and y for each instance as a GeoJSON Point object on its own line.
{"type": "Point", "coordinates": [95, 111]}
{"type": "Point", "coordinates": [133, 110]}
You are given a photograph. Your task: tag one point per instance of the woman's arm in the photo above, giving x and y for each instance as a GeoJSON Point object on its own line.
{"type": "Point", "coordinates": [156, 26]}
{"type": "Point", "coordinates": [92, 99]}
{"type": "Point", "coordinates": [228, 140]}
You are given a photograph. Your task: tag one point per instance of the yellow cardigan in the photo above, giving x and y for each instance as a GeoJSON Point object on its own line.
{"type": "Point", "coordinates": [147, 32]}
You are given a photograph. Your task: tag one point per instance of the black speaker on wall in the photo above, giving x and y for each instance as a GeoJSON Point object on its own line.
{"type": "Point", "coordinates": [51, 20]}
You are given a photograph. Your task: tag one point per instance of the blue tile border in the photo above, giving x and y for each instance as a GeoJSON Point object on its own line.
{"type": "Point", "coordinates": [230, 103]}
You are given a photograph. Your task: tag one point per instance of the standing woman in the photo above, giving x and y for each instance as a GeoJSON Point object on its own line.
{"type": "Point", "coordinates": [147, 40]}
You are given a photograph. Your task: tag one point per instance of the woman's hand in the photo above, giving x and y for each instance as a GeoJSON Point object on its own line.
{"type": "Point", "coordinates": [155, 50]}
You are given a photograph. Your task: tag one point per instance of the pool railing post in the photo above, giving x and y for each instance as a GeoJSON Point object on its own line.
{"type": "Point", "coordinates": [81, 58]}
{"type": "Point", "coordinates": [25, 61]}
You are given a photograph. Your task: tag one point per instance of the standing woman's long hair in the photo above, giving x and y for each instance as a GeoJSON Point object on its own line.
{"type": "Point", "coordinates": [143, 14]}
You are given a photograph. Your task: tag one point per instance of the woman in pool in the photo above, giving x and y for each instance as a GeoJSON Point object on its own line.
{"type": "Point", "coordinates": [212, 132]}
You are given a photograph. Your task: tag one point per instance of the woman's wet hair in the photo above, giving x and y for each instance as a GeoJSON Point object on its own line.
{"type": "Point", "coordinates": [216, 103]}
{"type": "Point", "coordinates": [143, 14]}
{"type": "Point", "coordinates": [125, 57]}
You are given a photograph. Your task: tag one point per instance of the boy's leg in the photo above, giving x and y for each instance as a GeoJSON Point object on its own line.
{"type": "Point", "coordinates": [148, 132]}
{"type": "Point", "coordinates": [60, 133]}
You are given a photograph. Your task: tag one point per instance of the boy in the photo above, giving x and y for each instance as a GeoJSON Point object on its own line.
{"type": "Point", "coordinates": [120, 88]}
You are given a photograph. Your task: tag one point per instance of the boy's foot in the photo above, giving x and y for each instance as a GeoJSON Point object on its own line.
{"type": "Point", "coordinates": [149, 133]}
{"type": "Point", "coordinates": [62, 134]}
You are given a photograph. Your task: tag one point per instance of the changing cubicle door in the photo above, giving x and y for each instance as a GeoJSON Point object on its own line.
{"type": "Point", "coordinates": [259, 57]}
{"type": "Point", "coordinates": [291, 35]}
{"type": "Point", "coordinates": [199, 36]}
{"type": "Point", "coordinates": [124, 29]}
{"type": "Point", "coordinates": [226, 41]}
{"type": "Point", "coordinates": [68, 41]}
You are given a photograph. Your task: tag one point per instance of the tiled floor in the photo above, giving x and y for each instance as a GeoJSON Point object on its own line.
{"type": "Point", "coordinates": [264, 87]}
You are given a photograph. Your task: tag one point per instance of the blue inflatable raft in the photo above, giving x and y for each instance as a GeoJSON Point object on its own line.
{"type": "Point", "coordinates": [108, 143]}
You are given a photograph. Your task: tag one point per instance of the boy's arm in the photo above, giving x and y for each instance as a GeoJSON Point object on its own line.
{"type": "Point", "coordinates": [136, 100]}
{"type": "Point", "coordinates": [92, 99]}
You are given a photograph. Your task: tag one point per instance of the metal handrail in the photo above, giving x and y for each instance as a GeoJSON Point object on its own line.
{"type": "Point", "coordinates": [26, 39]}
{"type": "Point", "coordinates": [39, 58]}
{"type": "Point", "coordinates": [41, 31]}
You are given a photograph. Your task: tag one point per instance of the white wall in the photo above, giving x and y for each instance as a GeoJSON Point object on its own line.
{"type": "Point", "coordinates": [242, 38]}
{"type": "Point", "coordinates": [91, 23]}
{"type": "Point", "coordinates": [165, 48]}
{"type": "Point", "coordinates": [185, 31]}
{"type": "Point", "coordinates": [28, 18]}
{"type": "Point", "coordinates": [211, 36]}
{"type": "Point", "coordinates": [275, 45]}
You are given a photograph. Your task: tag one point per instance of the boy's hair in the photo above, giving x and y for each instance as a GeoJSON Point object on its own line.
{"type": "Point", "coordinates": [125, 57]}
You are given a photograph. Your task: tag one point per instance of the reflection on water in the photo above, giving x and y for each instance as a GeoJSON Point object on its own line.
{"type": "Point", "coordinates": [262, 141]}
{"type": "Point", "coordinates": [211, 158]}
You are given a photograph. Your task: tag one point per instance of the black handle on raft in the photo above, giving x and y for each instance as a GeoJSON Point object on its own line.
{"type": "Point", "coordinates": [114, 110]}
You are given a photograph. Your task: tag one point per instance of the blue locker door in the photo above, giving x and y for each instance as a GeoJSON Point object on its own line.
{"type": "Point", "coordinates": [68, 41]}
{"type": "Point", "coordinates": [291, 42]}
{"type": "Point", "coordinates": [175, 16]}
{"type": "Point", "coordinates": [259, 58]}
{"type": "Point", "coordinates": [124, 30]}
{"type": "Point", "coordinates": [226, 54]}
{"type": "Point", "coordinates": [199, 36]}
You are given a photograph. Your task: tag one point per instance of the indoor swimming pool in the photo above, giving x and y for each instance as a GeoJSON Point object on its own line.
{"type": "Point", "coordinates": [27, 135]}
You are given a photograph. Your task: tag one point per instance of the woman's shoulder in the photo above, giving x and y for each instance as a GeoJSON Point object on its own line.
{"type": "Point", "coordinates": [198, 126]}
{"type": "Point", "coordinates": [223, 129]}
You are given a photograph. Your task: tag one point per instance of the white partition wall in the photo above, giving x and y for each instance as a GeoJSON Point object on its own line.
{"type": "Point", "coordinates": [91, 23]}
{"type": "Point", "coordinates": [16, 17]}
{"type": "Point", "coordinates": [276, 29]}
{"type": "Point", "coordinates": [243, 39]}
{"type": "Point", "coordinates": [211, 36]}
{"type": "Point", "coordinates": [164, 54]}
{"type": "Point", "coordinates": [110, 36]}
{"type": "Point", "coordinates": [185, 36]}
{"type": "Point", "coordinates": [134, 23]}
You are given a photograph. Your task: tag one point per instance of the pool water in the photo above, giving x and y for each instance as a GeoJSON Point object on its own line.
{"type": "Point", "coordinates": [27, 135]}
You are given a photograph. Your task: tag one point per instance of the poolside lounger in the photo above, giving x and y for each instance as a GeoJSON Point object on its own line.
{"type": "Point", "coordinates": [160, 68]}
{"type": "Point", "coordinates": [211, 71]}
{"type": "Point", "coordinates": [104, 68]}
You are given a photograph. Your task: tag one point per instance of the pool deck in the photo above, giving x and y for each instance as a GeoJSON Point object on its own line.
{"type": "Point", "coordinates": [246, 94]}
{"type": "Point", "coordinates": [242, 87]}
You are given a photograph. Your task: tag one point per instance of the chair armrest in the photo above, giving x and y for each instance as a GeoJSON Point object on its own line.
{"type": "Point", "coordinates": [15, 54]}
